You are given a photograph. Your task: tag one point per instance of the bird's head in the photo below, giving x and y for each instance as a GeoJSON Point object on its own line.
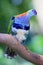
{"type": "Point", "coordinates": [32, 12]}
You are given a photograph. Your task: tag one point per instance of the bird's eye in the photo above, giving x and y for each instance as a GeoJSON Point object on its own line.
{"type": "Point", "coordinates": [34, 11]}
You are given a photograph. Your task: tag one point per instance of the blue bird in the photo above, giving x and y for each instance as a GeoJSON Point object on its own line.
{"type": "Point", "coordinates": [23, 19]}
{"type": "Point", "coordinates": [20, 29]}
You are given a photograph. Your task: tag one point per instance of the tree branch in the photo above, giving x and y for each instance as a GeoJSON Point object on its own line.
{"type": "Point", "coordinates": [13, 43]}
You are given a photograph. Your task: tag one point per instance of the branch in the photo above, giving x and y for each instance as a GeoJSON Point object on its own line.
{"type": "Point", "coordinates": [13, 43]}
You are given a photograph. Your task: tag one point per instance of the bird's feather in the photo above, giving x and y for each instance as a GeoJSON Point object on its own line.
{"type": "Point", "coordinates": [20, 25]}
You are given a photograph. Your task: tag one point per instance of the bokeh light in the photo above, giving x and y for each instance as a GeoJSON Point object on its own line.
{"type": "Point", "coordinates": [17, 2]}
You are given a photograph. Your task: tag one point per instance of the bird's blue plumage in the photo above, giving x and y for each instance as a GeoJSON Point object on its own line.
{"type": "Point", "coordinates": [23, 20]}
{"type": "Point", "coordinates": [20, 29]}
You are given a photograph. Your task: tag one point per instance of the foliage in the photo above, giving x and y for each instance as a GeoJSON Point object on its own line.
{"type": "Point", "coordinates": [7, 10]}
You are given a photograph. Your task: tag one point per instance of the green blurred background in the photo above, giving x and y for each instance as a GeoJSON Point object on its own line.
{"type": "Point", "coordinates": [34, 42]}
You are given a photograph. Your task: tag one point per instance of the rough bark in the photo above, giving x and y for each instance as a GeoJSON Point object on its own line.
{"type": "Point", "coordinates": [13, 43]}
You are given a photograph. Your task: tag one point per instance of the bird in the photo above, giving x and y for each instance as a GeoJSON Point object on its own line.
{"type": "Point", "coordinates": [20, 28]}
